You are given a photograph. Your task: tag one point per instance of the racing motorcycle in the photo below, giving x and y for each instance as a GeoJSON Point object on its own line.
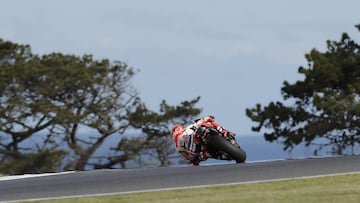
{"type": "Point", "coordinates": [219, 146]}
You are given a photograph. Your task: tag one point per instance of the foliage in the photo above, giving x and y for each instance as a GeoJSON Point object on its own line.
{"type": "Point", "coordinates": [154, 141]}
{"type": "Point", "coordinates": [73, 104]}
{"type": "Point", "coordinates": [325, 104]}
{"type": "Point", "coordinates": [97, 95]}
{"type": "Point", "coordinates": [43, 161]}
{"type": "Point", "coordinates": [58, 95]}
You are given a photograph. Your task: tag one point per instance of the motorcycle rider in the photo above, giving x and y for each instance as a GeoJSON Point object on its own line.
{"type": "Point", "coordinates": [188, 145]}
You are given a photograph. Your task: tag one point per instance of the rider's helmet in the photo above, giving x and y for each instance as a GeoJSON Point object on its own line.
{"type": "Point", "coordinates": [177, 129]}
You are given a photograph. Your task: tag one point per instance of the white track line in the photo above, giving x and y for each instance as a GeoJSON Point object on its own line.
{"type": "Point", "coordinates": [15, 177]}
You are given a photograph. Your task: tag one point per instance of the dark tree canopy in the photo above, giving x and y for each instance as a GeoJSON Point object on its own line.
{"type": "Point", "coordinates": [53, 97]}
{"type": "Point", "coordinates": [57, 110]}
{"type": "Point", "coordinates": [325, 104]}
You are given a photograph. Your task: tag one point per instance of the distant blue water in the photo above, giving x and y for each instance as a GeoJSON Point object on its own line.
{"type": "Point", "coordinates": [255, 146]}
{"type": "Point", "coordinates": [258, 149]}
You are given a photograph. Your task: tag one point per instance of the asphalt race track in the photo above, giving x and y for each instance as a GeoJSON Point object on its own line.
{"type": "Point", "coordinates": [99, 182]}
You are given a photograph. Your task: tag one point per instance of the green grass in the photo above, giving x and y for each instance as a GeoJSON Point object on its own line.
{"type": "Point", "coordinates": [340, 188]}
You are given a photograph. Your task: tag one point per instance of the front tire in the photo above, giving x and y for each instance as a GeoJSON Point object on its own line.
{"type": "Point", "coordinates": [220, 143]}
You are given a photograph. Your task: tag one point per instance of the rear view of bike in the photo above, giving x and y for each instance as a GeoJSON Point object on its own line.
{"type": "Point", "coordinates": [220, 146]}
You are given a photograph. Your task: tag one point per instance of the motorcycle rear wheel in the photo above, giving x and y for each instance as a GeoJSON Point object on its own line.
{"type": "Point", "coordinates": [220, 143]}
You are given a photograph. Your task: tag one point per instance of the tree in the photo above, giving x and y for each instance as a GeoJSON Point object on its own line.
{"type": "Point", "coordinates": [23, 112]}
{"type": "Point", "coordinates": [58, 97]}
{"type": "Point", "coordinates": [325, 104]}
{"type": "Point", "coordinates": [91, 100]}
{"type": "Point", "coordinates": [154, 141]}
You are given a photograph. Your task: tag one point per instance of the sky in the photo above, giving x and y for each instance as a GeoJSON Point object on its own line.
{"type": "Point", "coordinates": [232, 53]}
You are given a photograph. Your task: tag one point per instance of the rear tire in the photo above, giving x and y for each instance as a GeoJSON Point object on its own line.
{"type": "Point", "coordinates": [220, 143]}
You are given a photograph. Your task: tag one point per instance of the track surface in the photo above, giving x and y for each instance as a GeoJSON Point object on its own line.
{"type": "Point", "coordinates": [132, 180]}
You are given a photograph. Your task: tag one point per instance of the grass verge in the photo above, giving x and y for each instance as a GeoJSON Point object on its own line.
{"type": "Point", "coordinates": [340, 188]}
